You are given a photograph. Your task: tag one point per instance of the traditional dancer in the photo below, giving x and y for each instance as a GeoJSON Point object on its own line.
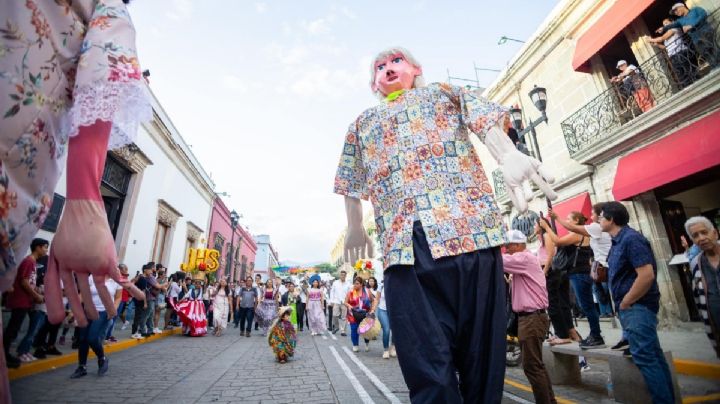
{"type": "Point", "coordinates": [282, 337]}
{"type": "Point", "coordinates": [316, 302]}
{"type": "Point", "coordinates": [191, 311]}
{"type": "Point", "coordinates": [222, 301]}
{"type": "Point", "coordinates": [267, 309]}
{"type": "Point", "coordinates": [439, 225]}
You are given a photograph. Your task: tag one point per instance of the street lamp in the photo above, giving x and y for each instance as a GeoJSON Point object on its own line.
{"type": "Point", "coordinates": [234, 218]}
{"type": "Point", "coordinates": [538, 95]}
{"type": "Point", "coordinates": [503, 40]}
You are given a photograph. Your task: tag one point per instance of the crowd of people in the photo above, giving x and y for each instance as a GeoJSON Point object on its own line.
{"type": "Point", "coordinates": [602, 260]}
{"type": "Point", "coordinates": [686, 39]}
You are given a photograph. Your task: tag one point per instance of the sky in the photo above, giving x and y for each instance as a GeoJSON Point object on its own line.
{"type": "Point", "coordinates": [265, 91]}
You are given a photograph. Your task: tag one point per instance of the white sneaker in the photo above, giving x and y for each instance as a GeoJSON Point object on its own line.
{"type": "Point", "coordinates": [136, 336]}
{"type": "Point", "coordinates": [125, 325]}
{"type": "Point", "coordinates": [157, 331]}
{"type": "Point", "coordinates": [355, 348]}
{"type": "Point", "coordinates": [392, 351]}
{"type": "Point", "coordinates": [367, 348]}
{"type": "Point", "coordinates": [386, 355]}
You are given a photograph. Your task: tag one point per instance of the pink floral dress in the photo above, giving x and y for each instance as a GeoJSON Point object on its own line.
{"type": "Point", "coordinates": [63, 64]}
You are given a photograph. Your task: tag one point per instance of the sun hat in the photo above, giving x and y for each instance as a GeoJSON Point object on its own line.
{"type": "Point", "coordinates": [284, 309]}
{"type": "Point", "coordinates": [676, 6]}
{"type": "Point", "coordinates": [516, 236]}
{"type": "Point", "coordinates": [369, 328]}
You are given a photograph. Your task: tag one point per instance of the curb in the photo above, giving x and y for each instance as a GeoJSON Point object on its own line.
{"type": "Point", "coordinates": [697, 368]}
{"type": "Point", "coordinates": [44, 365]}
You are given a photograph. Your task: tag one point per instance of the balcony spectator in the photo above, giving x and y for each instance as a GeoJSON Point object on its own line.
{"type": "Point", "coordinates": [706, 278]}
{"type": "Point", "coordinates": [693, 22]}
{"type": "Point", "coordinates": [682, 59]}
{"type": "Point", "coordinates": [632, 273]}
{"type": "Point", "coordinates": [632, 81]}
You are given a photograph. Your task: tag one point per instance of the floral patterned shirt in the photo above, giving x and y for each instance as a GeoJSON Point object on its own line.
{"type": "Point", "coordinates": [412, 157]}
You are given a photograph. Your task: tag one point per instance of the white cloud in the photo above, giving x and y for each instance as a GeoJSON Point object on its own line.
{"type": "Point", "coordinates": [261, 7]}
{"type": "Point", "coordinates": [318, 26]}
{"type": "Point", "coordinates": [348, 13]}
{"type": "Point", "coordinates": [180, 10]}
{"type": "Point", "coordinates": [235, 83]}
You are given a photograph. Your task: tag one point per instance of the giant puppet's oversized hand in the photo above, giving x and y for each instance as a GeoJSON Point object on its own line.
{"type": "Point", "coordinates": [83, 244]}
{"type": "Point", "coordinates": [517, 169]}
{"type": "Point", "coordinates": [358, 244]}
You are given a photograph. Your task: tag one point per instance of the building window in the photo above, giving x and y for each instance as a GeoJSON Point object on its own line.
{"type": "Point", "coordinates": [166, 219]}
{"type": "Point", "coordinates": [162, 231]}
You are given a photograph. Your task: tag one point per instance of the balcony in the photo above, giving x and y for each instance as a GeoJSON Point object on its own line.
{"type": "Point", "coordinates": [645, 98]}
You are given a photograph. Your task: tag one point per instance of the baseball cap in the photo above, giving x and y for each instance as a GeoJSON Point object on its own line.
{"type": "Point", "coordinates": [620, 63]}
{"type": "Point", "coordinates": [676, 6]}
{"type": "Point", "coordinates": [516, 236]}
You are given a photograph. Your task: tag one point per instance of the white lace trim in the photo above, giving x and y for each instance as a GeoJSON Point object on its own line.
{"type": "Point", "coordinates": [125, 104]}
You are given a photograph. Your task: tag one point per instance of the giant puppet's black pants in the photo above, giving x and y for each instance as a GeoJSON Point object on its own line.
{"type": "Point", "coordinates": [448, 317]}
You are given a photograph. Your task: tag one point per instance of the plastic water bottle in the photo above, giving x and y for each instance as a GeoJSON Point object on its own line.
{"type": "Point", "coordinates": [609, 387]}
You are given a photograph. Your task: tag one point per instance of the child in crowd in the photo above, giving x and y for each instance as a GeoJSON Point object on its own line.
{"type": "Point", "coordinates": [282, 338]}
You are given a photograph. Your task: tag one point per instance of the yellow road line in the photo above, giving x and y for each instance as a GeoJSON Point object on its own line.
{"type": "Point", "coordinates": [697, 368]}
{"type": "Point", "coordinates": [700, 399]}
{"type": "Point", "coordinates": [529, 389]}
{"type": "Point", "coordinates": [44, 365]}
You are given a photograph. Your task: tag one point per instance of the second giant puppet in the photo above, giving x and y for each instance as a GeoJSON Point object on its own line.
{"type": "Point", "coordinates": [439, 225]}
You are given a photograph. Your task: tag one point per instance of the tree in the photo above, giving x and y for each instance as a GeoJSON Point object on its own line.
{"type": "Point", "coordinates": [327, 267]}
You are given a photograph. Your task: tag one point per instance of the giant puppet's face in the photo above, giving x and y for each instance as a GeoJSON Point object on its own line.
{"type": "Point", "coordinates": [394, 73]}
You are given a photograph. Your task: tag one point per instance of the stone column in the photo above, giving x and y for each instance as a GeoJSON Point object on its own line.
{"type": "Point", "coordinates": [650, 224]}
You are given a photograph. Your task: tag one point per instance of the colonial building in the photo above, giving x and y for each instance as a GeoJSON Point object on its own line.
{"type": "Point", "coordinates": [266, 257]}
{"type": "Point", "coordinates": [237, 247]}
{"type": "Point", "coordinates": [157, 196]}
{"type": "Point", "coordinates": [337, 253]}
{"type": "Point", "coordinates": [653, 144]}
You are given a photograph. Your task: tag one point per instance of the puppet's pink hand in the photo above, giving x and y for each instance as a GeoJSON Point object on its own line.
{"type": "Point", "coordinates": [83, 245]}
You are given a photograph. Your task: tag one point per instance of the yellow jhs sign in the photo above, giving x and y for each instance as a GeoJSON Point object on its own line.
{"type": "Point", "coordinates": [201, 259]}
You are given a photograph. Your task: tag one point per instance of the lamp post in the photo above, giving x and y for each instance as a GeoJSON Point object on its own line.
{"type": "Point", "coordinates": [234, 218]}
{"type": "Point", "coordinates": [503, 40]}
{"type": "Point", "coordinates": [538, 95]}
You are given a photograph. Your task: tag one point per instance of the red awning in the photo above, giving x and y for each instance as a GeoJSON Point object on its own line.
{"type": "Point", "coordinates": [615, 19]}
{"type": "Point", "coordinates": [580, 203]}
{"type": "Point", "coordinates": [689, 150]}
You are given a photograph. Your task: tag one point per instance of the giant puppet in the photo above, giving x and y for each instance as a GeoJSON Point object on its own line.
{"type": "Point", "coordinates": [69, 79]}
{"type": "Point", "coordinates": [439, 225]}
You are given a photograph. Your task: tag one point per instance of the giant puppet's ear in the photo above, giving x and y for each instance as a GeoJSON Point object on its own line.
{"type": "Point", "coordinates": [418, 70]}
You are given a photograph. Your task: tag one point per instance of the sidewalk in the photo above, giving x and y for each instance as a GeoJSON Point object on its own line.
{"type": "Point", "coordinates": [69, 356]}
{"type": "Point", "coordinates": [686, 341]}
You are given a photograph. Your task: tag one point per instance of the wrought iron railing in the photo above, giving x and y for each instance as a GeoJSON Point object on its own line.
{"type": "Point", "coordinates": [686, 59]}
{"type": "Point", "coordinates": [500, 191]}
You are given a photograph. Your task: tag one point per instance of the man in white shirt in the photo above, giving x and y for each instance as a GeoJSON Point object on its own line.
{"type": "Point", "coordinates": [340, 289]}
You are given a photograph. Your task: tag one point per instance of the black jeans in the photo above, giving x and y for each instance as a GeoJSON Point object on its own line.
{"type": "Point", "coordinates": [558, 287]}
{"type": "Point", "coordinates": [300, 307]}
{"type": "Point", "coordinates": [47, 336]}
{"type": "Point", "coordinates": [245, 315]}
{"type": "Point", "coordinates": [137, 325]}
{"type": "Point", "coordinates": [448, 316]}
{"type": "Point", "coordinates": [17, 316]}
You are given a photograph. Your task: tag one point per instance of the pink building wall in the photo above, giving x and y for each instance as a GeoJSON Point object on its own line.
{"type": "Point", "coordinates": [220, 225]}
